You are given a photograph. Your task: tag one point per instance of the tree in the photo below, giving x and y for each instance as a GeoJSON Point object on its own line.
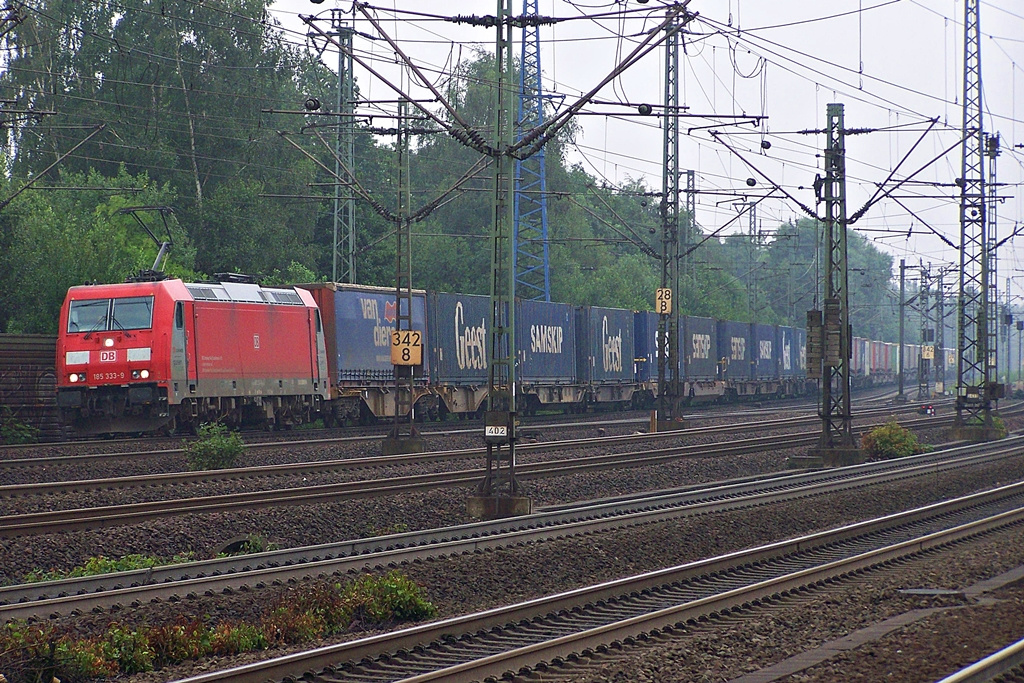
{"type": "Point", "coordinates": [55, 239]}
{"type": "Point", "coordinates": [183, 88]}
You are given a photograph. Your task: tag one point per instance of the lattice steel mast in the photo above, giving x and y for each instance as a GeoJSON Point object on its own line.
{"type": "Point", "coordinates": [500, 478]}
{"type": "Point", "coordinates": [668, 322]}
{"type": "Point", "coordinates": [973, 397]}
{"type": "Point", "coordinates": [837, 433]}
{"type": "Point", "coordinates": [343, 262]}
{"type": "Point", "coordinates": [530, 260]}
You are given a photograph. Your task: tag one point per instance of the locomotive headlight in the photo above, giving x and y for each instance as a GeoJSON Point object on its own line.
{"type": "Point", "coordinates": [144, 374]}
{"type": "Point", "coordinates": [108, 342]}
{"type": "Point", "coordinates": [76, 377]}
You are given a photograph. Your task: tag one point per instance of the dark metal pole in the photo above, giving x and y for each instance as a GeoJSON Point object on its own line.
{"type": "Point", "coordinates": [900, 398]}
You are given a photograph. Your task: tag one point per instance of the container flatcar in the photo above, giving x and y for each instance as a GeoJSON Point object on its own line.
{"type": "Point", "coordinates": [358, 320]}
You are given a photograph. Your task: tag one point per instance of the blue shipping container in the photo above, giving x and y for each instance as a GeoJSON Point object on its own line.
{"type": "Point", "coordinates": [699, 347]}
{"type": "Point", "coordinates": [458, 337]}
{"type": "Point", "coordinates": [645, 341]}
{"type": "Point", "coordinates": [604, 348]}
{"type": "Point", "coordinates": [545, 341]}
{"type": "Point", "coordinates": [734, 349]}
{"type": "Point", "coordinates": [800, 351]}
{"type": "Point", "coordinates": [786, 348]}
{"type": "Point", "coordinates": [364, 318]}
{"type": "Point", "coordinates": [765, 351]}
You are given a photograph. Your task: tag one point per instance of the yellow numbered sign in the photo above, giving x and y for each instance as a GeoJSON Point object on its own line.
{"type": "Point", "coordinates": [663, 301]}
{"type": "Point", "coordinates": [928, 352]}
{"type": "Point", "coordinates": [406, 347]}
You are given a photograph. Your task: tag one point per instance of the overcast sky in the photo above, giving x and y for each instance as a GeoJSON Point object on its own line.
{"type": "Point", "coordinates": [894, 64]}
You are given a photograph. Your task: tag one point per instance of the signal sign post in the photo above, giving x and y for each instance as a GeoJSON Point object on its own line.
{"type": "Point", "coordinates": [406, 343]}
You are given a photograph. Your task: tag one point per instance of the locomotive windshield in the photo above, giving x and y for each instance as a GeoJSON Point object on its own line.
{"type": "Point", "coordinates": [102, 315]}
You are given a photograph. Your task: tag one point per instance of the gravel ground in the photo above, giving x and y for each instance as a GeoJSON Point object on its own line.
{"type": "Point", "coordinates": [466, 583]}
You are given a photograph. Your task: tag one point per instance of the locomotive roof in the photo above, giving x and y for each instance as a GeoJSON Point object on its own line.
{"type": "Point", "coordinates": [198, 291]}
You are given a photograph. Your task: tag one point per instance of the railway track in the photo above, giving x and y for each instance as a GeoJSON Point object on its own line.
{"type": "Point", "coordinates": [52, 521]}
{"type": "Point", "coordinates": [115, 591]}
{"type": "Point", "coordinates": [1005, 666]}
{"type": "Point", "coordinates": [49, 463]}
{"type": "Point", "coordinates": [536, 633]}
{"type": "Point", "coordinates": [371, 433]}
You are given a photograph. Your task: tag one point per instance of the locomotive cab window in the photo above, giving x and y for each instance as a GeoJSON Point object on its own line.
{"type": "Point", "coordinates": [89, 315]}
{"type": "Point", "coordinates": [132, 313]}
{"type": "Point", "coordinates": [179, 316]}
{"type": "Point", "coordinates": [103, 315]}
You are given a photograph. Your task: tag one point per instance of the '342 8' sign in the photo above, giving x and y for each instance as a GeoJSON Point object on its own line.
{"type": "Point", "coordinates": [406, 347]}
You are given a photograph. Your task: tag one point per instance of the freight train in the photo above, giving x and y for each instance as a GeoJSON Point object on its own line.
{"type": "Point", "coordinates": [168, 355]}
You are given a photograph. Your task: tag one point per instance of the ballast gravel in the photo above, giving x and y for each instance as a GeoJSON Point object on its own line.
{"type": "Point", "coordinates": [467, 583]}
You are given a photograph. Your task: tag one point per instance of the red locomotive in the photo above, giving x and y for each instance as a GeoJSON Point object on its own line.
{"type": "Point", "coordinates": [166, 355]}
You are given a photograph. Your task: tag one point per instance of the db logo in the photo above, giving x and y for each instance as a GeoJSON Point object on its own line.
{"type": "Point", "coordinates": [108, 356]}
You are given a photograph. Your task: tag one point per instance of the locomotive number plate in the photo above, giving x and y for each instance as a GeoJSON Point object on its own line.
{"type": "Point", "coordinates": [406, 347]}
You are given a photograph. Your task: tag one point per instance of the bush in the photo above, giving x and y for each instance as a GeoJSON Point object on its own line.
{"type": "Point", "coordinates": [387, 598]}
{"type": "Point", "coordinates": [13, 430]}
{"type": "Point", "coordinates": [216, 448]}
{"type": "Point", "coordinates": [892, 441]}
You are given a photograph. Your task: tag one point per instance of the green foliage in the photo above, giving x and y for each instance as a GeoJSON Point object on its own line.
{"type": "Point", "coordinates": [130, 650]}
{"type": "Point", "coordinates": [215, 448]}
{"type": "Point", "coordinates": [999, 426]}
{"type": "Point", "coordinates": [32, 652]}
{"type": "Point", "coordinates": [293, 274]}
{"type": "Point", "coordinates": [179, 641]}
{"type": "Point", "coordinates": [106, 565]}
{"type": "Point", "coordinates": [13, 430]}
{"type": "Point", "coordinates": [50, 241]}
{"type": "Point", "coordinates": [232, 638]}
{"type": "Point", "coordinates": [387, 598]}
{"type": "Point", "coordinates": [892, 441]}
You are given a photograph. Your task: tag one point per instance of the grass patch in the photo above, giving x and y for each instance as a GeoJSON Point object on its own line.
{"type": "Point", "coordinates": [39, 652]}
{"type": "Point", "coordinates": [106, 565]}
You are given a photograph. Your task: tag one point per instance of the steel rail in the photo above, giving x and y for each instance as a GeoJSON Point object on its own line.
{"type": "Point", "coordinates": [741, 588]}
{"type": "Point", "coordinates": [256, 570]}
{"type": "Point", "coordinates": [116, 515]}
{"type": "Point", "coordinates": [151, 480]}
{"type": "Point", "coordinates": [1009, 659]}
{"type": "Point", "coordinates": [54, 460]}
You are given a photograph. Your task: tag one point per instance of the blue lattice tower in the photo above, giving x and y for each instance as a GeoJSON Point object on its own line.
{"type": "Point", "coordinates": [530, 258]}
